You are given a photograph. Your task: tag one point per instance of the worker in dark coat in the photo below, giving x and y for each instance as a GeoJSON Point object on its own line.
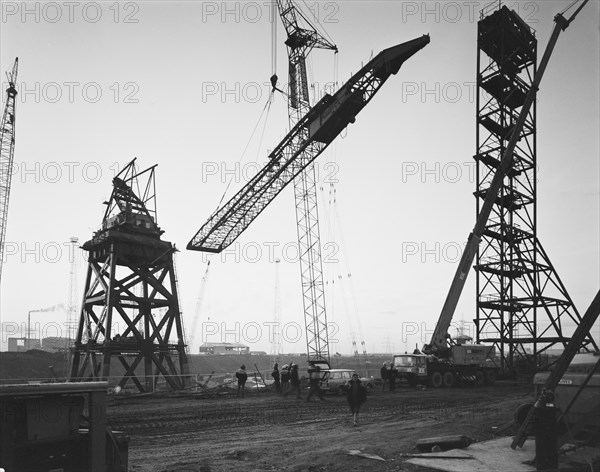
{"type": "Point", "coordinates": [285, 378]}
{"type": "Point", "coordinates": [294, 380]}
{"type": "Point", "coordinates": [357, 395]}
{"type": "Point", "coordinates": [276, 378]}
{"type": "Point", "coordinates": [314, 379]}
{"type": "Point", "coordinates": [241, 377]}
{"type": "Point", "coordinates": [384, 374]}
{"type": "Point", "coordinates": [392, 373]}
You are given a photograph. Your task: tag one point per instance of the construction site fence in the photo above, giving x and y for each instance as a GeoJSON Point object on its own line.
{"type": "Point", "coordinates": [193, 383]}
{"type": "Point", "coordinates": [158, 383]}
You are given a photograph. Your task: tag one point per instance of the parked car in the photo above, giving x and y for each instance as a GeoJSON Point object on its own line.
{"type": "Point", "coordinates": [336, 380]}
{"type": "Point", "coordinates": [255, 384]}
{"type": "Point", "coordinates": [251, 383]}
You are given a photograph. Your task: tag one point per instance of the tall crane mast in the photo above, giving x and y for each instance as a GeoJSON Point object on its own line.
{"type": "Point", "coordinates": [300, 41]}
{"type": "Point", "coordinates": [276, 340]}
{"type": "Point", "coordinates": [7, 151]}
{"type": "Point", "coordinates": [302, 145]}
{"type": "Point", "coordinates": [198, 309]}
{"type": "Point", "coordinates": [439, 342]}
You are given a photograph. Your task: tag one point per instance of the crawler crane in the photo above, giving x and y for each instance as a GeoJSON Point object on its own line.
{"type": "Point", "coordinates": [300, 41]}
{"type": "Point", "coordinates": [311, 135]}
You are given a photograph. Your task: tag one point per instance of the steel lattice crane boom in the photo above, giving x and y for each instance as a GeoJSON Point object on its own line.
{"type": "Point", "coordinates": [7, 151]}
{"type": "Point", "coordinates": [439, 342]}
{"type": "Point", "coordinates": [300, 41]}
{"type": "Point", "coordinates": [318, 128]}
{"type": "Point", "coordinates": [311, 135]}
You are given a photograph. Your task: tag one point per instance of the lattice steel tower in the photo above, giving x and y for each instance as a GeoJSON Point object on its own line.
{"type": "Point", "coordinates": [71, 324]}
{"type": "Point", "coordinates": [130, 282]}
{"type": "Point", "coordinates": [521, 302]}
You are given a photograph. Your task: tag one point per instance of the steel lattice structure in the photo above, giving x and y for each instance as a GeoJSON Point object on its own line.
{"type": "Point", "coordinates": [7, 152]}
{"type": "Point", "coordinates": [313, 132]}
{"type": "Point", "coordinates": [521, 301]}
{"type": "Point", "coordinates": [71, 324]}
{"type": "Point", "coordinates": [131, 284]}
{"type": "Point", "coordinates": [300, 41]}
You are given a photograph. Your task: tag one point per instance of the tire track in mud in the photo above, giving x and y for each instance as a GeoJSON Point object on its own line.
{"type": "Point", "coordinates": [181, 416]}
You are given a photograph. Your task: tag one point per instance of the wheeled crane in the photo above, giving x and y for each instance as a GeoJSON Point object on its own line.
{"type": "Point", "coordinates": [300, 41]}
{"type": "Point", "coordinates": [439, 341]}
{"type": "Point", "coordinates": [445, 360]}
{"type": "Point", "coordinates": [303, 144]}
{"type": "Point", "coordinates": [7, 151]}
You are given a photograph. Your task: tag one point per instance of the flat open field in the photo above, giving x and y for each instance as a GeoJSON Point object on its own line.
{"type": "Point", "coordinates": [265, 432]}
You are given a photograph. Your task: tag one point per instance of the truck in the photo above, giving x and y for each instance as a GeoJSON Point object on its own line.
{"type": "Point", "coordinates": [462, 364]}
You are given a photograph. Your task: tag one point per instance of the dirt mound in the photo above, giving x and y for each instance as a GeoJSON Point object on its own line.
{"type": "Point", "coordinates": [34, 365]}
{"type": "Point", "coordinates": [30, 365]}
{"type": "Point", "coordinates": [205, 364]}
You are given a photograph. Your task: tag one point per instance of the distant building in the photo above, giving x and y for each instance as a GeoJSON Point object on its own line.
{"type": "Point", "coordinates": [224, 348]}
{"type": "Point", "coordinates": [22, 344]}
{"type": "Point", "coordinates": [56, 344]}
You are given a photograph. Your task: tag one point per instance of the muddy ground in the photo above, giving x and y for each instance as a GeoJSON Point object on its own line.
{"type": "Point", "coordinates": [217, 431]}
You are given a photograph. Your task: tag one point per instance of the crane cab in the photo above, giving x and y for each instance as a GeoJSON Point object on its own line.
{"type": "Point", "coordinates": [411, 367]}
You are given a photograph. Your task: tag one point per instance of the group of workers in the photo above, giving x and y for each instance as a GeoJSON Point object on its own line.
{"type": "Point", "coordinates": [287, 381]}
{"type": "Point", "coordinates": [388, 375]}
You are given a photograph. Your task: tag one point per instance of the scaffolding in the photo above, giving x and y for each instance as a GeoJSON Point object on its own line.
{"type": "Point", "coordinates": [130, 311]}
{"type": "Point", "coordinates": [522, 304]}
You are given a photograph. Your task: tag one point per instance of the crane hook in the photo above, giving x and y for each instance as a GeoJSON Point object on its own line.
{"type": "Point", "coordinates": [274, 80]}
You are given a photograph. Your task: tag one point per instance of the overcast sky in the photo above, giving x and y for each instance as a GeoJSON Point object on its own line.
{"type": "Point", "coordinates": [183, 84]}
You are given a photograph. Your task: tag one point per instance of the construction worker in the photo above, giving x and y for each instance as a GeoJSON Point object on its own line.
{"type": "Point", "coordinates": [275, 375]}
{"type": "Point", "coordinates": [357, 395]}
{"type": "Point", "coordinates": [294, 380]}
{"type": "Point", "coordinates": [285, 378]}
{"type": "Point", "coordinates": [241, 377]}
{"type": "Point", "coordinates": [384, 375]}
{"type": "Point", "coordinates": [314, 378]}
{"type": "Point", "coordinates": [392, 373]}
